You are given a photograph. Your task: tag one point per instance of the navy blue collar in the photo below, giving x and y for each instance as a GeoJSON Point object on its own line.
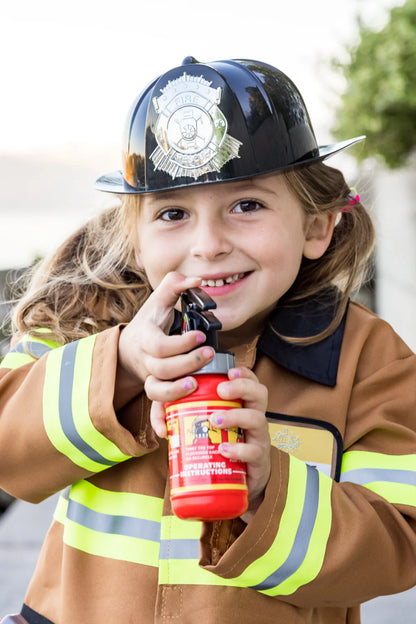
{"type": "Point", "coordinates": [308, 317]}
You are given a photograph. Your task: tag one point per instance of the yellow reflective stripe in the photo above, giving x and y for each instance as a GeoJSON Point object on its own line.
{"type": "Point", "coordinates": [66, 412]}
{"type": "Point", "coordinates": [51, 417]}
{"type": "Point", "coordinates": [352, 460]}
{"type": "Point", "coordinates": [117, 503]}
{"type": "Point", "coordinates": [285, 537]}
{"type": "Point", "coordinates": [61, 509]}
{"type": "Point", "coordinates": [177, 566]}
{"type": "Point", "coordinates": [188, 572]}
{"type": "Point", "coordinates": [26, 351]}
{"type": "Point", "coordinates": [391, 476]}
{"type": "Point", "coordinates": [175, 528]}
{"type": "Point", "coordinates": [314, 557]}
{"type": "Point", "coordinates": [394, 493]}
{"type": "Point", "coordinates": [297, 552]}
{"type": "Point", "coordinates": [295, 557]}
{"type": "Point", "coordinates": [118, 525]}
{"type": "Point", "coordinates": [80, 396]}
{"type": "Point", "coordinates": [119, 547]}
{"type": "Point", "coordinates": [15, 360]}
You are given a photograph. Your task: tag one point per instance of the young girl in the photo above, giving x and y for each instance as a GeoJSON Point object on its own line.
{"type": "Point", "coordinates": [223, 187]}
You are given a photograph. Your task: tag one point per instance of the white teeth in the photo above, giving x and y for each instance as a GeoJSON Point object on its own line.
{"type": "Point", "coordinates": [220, 282]}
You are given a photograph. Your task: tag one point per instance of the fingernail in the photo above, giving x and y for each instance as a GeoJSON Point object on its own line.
{"type": "Point", "coordinates": [224, 387]}
{"type": "Point", "coordinates": [224, 448]}
{"type": "Point", "coordinates": [216, 419]}
{"type": "Point", "coordinates": [189, 383]}
{"type": "Point", "coordinates": [208, 352]}
{"type": "Point", "coordinates": [234, 372]}
{"type": "Point", "coordinates": [201, 338]}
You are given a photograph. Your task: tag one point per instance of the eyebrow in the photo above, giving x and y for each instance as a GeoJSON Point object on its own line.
{"type": "Point", "coordinates": [161, 195]}
{"type": "Point", "coordinates": [175, 193]}
{"type": "Point", "coordinates": [249, 187]}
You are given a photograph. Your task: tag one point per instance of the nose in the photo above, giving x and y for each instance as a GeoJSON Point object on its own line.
{"type": "Point", "coordinates": [211, 239]}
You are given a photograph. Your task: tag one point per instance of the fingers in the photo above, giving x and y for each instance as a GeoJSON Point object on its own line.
{"type": "Point", "coordinates": [256, 432]}
{"type": "Point", "coordinates": [159, 345]}
{"type": "Point", "coordinates": [177, 366]}
{"type": "Point", "coordinates": [255, 450]}
{"type": "Point", "coordinates": [160, 304]}
{"type": "Point", "coordinates": [145, 346]}
{"type": "Point", "coordinates": [243, 384]}
{"type": "Point", "coordinates": [165, 391]}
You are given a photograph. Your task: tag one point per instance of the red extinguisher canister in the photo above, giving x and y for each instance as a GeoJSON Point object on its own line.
{"type": "Point", "coordinates": [204, 484]}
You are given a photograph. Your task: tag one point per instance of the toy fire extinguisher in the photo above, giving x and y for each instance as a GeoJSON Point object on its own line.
{"type": "Point", "coordinates": [205, 485]}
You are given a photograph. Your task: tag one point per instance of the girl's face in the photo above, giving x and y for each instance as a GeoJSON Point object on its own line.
{"type": "Point", "coordinates": [245, 239]}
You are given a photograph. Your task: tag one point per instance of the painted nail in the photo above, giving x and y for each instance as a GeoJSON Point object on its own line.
{"type": "Point", "coordinates": [216, 419]}
{"type": "Point", "coordinates": [208, 352]}
{"type": "Point", "coordinates": [189, 383]}
{"type": "Point", "coordinates": [224, 448]}
{"type": "Point", "coordinates": [201, 338]}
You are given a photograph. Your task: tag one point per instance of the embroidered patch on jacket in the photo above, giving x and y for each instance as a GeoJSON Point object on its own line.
{"type": "Point", "coordinates": [318, 444]}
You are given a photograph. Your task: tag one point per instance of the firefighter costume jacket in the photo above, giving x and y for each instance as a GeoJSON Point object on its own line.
{"type": "Point", "coordinates": [338, 522]}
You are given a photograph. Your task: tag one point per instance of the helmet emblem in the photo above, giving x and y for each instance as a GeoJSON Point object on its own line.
{"type": "Point", "coordinates": [191, 130]}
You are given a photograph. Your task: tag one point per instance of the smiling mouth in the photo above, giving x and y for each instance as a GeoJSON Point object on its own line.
{"type": "Point", "coordinates": [231, 279]}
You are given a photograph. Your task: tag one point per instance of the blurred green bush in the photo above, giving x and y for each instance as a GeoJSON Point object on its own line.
{"type": "Point", "coordinates": [380, 97]}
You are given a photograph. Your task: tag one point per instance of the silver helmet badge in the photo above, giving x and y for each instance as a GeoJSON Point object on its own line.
{"type": "Point", "coordinates": [191, 130]}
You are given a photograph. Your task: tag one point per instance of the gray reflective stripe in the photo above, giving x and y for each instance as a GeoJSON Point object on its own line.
{"type": "Point", "coordinates": [14, 619]}
{"type": "Point", "coordinates": [303, 534]}
{"type": "Point", "coordinates": [36, 349]}
{"type": "Point", "coordinates": [363, 476]}
{"type": "Point", "coordinates": [65, 494]}
{"type": "Point", "coordinates": [65, 407]}
{"type": "Point", "coordinates": [179, 549]}
{"type": "Point", "coordinates": [113, 525]}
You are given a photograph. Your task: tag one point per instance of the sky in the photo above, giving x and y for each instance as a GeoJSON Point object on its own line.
{"type": "Point", "coordinates": [70, 70]}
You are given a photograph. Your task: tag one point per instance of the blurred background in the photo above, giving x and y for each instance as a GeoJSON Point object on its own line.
{"type": "Point", "coordinates": [69, 73]}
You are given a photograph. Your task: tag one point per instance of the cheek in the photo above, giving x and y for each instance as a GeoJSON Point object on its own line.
{"type": "Point", "coordinates": [283, 247]}
{"type": "Point", "coordinates": [157, 259]}
{"type": "Point", "coordinates": [138, 259]}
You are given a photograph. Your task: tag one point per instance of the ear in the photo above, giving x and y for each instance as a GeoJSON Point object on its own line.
{"type": "Point", "coordinates": [319, 230]}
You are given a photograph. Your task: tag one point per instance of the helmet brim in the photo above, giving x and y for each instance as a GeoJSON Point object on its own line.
{"type": "Point", "coordinates": [114, 181]}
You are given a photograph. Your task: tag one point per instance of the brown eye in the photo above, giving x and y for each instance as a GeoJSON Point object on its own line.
{"type": "Point", "coordinates": [172, 214]}
{"type": "Point", "coordinates": [247, 205]}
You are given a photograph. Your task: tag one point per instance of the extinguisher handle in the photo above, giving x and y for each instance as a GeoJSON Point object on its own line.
{"type": "Point", "coordinates": [196, 314]}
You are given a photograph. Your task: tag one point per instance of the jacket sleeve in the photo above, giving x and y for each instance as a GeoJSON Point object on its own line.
{"type": "Point", "coordinates": [315, 542]}
{"type": "Point", "coordinates": [57, 422]}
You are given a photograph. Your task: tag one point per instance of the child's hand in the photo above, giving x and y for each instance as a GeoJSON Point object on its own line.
{"type": "Point", "coordinates": [255, 451]}
{"type": "Point", "coordinates": [148, 357]}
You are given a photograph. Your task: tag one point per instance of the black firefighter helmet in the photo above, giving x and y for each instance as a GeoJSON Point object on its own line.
{"type": "Point", "coordinates": [214, 122]}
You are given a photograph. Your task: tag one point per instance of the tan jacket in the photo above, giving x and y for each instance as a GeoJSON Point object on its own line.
{"type": "Point", "coordinates": [316, 548]}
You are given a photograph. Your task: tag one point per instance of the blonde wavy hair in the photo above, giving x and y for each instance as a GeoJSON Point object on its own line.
{"type": "Point", "coordinates": [93, 282]}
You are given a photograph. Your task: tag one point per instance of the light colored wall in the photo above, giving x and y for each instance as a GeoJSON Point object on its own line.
{"type": "Point", "coordinates": [395, 217]}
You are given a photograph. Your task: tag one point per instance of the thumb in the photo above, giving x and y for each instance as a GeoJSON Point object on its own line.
{"type": "Point", "coordinates": [166, 295]}
{"type": "Point", "coordinates": [158, 419]}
